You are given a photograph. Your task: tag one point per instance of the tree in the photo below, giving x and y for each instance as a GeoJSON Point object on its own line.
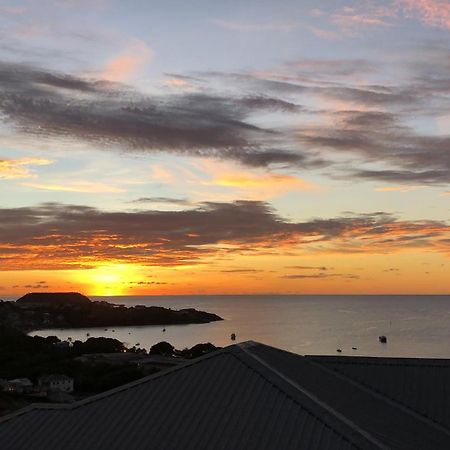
{"type": "Point", "coordinates": [162, 348]}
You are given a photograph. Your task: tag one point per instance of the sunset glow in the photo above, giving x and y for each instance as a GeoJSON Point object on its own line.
{"type": "Point", "coordinates": [303, 149]}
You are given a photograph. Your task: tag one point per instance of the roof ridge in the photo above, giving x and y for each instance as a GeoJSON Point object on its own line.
{"type": "Point", "coordinates": [363, 433]}
{"type": "Point", "coordinates": [381, 396]}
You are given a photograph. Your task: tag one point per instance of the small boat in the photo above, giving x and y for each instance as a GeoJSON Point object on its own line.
{"type": "Point", "coordinates": [339, 350]}
{"type": "Point", "coordinates": [88, 334]}
{"type": "Point", "coordinates": [233, 337]}
{"type": "Point", "coordinates": [164, 330]}
{"type": "Point", "coordinates": [354, 348]}
{"type": "Point", "coordinates": [382, 339]}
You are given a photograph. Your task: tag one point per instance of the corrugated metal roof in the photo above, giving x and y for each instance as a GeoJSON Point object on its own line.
{"type": "Point", "coordinates": [423, 385]}
{"type": "Point", "coordinates": [227, 400]}
{"type": "Point", "coordinates": [246, 396]}
{"type": "Point", "coordinates": [392, 424]}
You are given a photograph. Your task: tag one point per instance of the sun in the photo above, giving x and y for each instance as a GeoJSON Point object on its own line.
{"type": "Point", "coordinates": [108, 279]}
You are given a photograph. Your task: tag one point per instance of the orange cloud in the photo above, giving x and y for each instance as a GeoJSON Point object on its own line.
{"type": "Point", "coordinates": [178, 83]}
{"type": "Point", "coordinates": [128, 63]}
{"type": "Point", "coordinates": [402, 189]}
{"type": "Point", "coordinates": [266, 184]}
{"type": "Point", "coordinates": [17, 168]}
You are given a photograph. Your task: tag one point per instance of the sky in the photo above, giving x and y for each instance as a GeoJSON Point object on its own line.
{"type": "Point", "coordinates": [231, 147]}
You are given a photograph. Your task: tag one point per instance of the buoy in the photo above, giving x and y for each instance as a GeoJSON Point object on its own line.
{"type": "Point", "coordinates": [233, 337]}
{"type": "Point", "coordinates": [382, 339]}
{"type": "Point", "coordinates": [164, 330]}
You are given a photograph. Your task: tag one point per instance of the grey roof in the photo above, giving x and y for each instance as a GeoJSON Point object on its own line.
{"type": "Point", "coordinates": [246, 396]}
{"type": "Point", "coordinates": [420, 384]}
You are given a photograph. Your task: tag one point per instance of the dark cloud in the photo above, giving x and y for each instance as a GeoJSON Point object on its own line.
{"type": "Point", "coordinates": [379, 137]}
{"type": "Point", "coordinates": [54, 235]}
{"type": "Point", "coordinates": [268, 103]}
{"type": "Point", "coordinates": [242, 271]}
{"type": "Point", "coordinates": [321, 275]}
{"type": "Point", "coordinates": [321, 268]}
{"type": "Point", "coordinates": [379, 143]}
{"type": "Point", "coordinates": [49, 104]}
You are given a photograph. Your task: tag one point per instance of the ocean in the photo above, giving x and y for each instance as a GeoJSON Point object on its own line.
{"type": "Point", "coordinates": [415, 326]}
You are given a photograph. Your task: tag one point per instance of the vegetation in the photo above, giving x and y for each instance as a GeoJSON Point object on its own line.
{"type": "Point", "coordinates": [32, 357]}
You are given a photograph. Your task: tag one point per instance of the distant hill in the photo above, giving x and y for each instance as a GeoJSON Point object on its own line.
{"type": "Point", "coordinates": [36, 311]}
{"type": "Point", "coordinates": [60, 298]}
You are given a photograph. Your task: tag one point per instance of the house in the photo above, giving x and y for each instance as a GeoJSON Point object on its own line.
{"type": "Point", "coordinates": [250, 396]}
{"type": "Point", "coordinates": [56, 383]}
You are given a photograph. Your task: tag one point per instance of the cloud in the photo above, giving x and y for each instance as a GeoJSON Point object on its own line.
{"type": "Point", "coordinates": [242, 271]}
{"type": "Point", "coordinates": [353, 20]}
{"type": "Point", "coordinates": [262, 185]}
{"type": "Point", "coordinates": [402, 189]}
{"type": "Point", "coordinates": [379, 137]}
{"type": "Point", "coordinates": [52, 106]}
{"type": "Point", "coordinates": [433, 13]}
{"type": "Point", "coordinates": [68, 236]}
{"type": "Point", "coordinates": [163, 200]}
{"type": "Point", "coordinates": [321, 276]}
{"type": "Point", "coordinates": [76, 186]}
{"type": "Point", "coordinates": [321, 268]}
{"type": "Point", "coordinates": [369, 124]}
{"type": "Point", "coordinates": [18, 168]}
{"type": "Point", "coordinates": [127, 64]}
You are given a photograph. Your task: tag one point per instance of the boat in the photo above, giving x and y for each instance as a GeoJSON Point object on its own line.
{"type": "Point", "coordinates": [233, 337]}
{"type": "Point", "coordinates": [354, 348]}
{"type": "Point", "coordinates": [382, 339]}
{"type": "Point", "coordinates": [339, 350]}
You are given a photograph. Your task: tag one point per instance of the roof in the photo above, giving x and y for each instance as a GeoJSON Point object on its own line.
{"type": "Point", "coordinates": [419, 384]}
{"type": "Point", "coordinates": [245, 396]}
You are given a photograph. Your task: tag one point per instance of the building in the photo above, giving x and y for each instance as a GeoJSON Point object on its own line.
{"type": "Point", "coordinates": [252, 396]}
{"type": "Point", "coordinates": [56, 383]}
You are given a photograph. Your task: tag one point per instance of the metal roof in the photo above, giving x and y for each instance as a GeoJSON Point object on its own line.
{"type": "Point", "coordinates": [246, 396]}
{"type": "Point", "coordinates": [420, 384]}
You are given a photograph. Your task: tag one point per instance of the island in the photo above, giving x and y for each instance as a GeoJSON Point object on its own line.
{"type": "Point", "coordinates": [36, 311]}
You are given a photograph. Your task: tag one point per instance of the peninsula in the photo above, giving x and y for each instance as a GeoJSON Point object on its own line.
{"type": "Point", "coordinates": [36, 311]}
